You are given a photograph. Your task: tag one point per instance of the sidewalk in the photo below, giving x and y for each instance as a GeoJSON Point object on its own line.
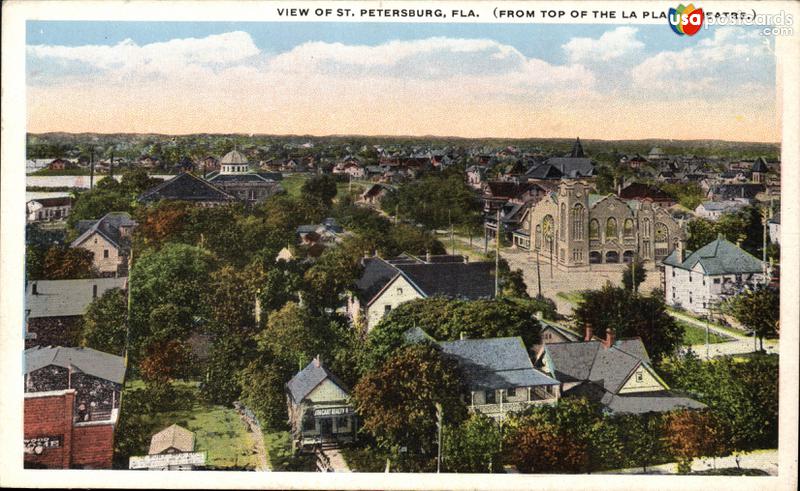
{"type": "Point", "coordinates": [765, 460]}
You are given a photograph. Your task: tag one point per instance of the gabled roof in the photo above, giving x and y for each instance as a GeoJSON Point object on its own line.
{"type": "Point", "coordinates": [307, 379]}
{"type": "Point", "coordinates": [63, 298]}
{"type": "Point", "coordinates": [174, 436]}
{"type": "Point", "coordinates": [544, 171]}
{"type": "Point", "coordinates": [718, 257]}
{"type": "Point", "coordinates": [440, 276]}
{"type": "Point", "coordinates": [730, 191]}
{"type": "Point", "coordinates": [416, 335]}
{"type": "Point", "coordinates": [639, 190]}
{"type": "Point", "coordinates": [89, 361]}
{"type": "Point", "coordinates": [56, 201]}
{"type": "Point", "coordinates": [567, 333]}
{"type": "Point", "coordinates": [186, 187]}
{"type": "Point", "coordinates": [495, 363]}
{"type": "Point", "coordinates": [377, 274]}
{"type": "Point", "coordinates": [648, 402]}
{"type": "Point", "coordinates": [470, 281]}
{"type": "Point", "coordinates": [572, 167]}
{"type": "Point", "coordinates": [109, 227]}
{"type": "Point", "coordinates": [760, 165]}
{"type": "Point", "coordinates": [591, 361]}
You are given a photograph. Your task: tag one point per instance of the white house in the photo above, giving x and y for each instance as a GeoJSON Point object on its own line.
{"type": "Point", "coordinates": [775, 229]}
{"type": "Point", "coordinates": [385, 284]}
{"type": "Point", "coordinates": [49, 209]}
{"type": "Point", "coordinates": [712, 210]}
{"type": "Point", "coordinates": [700, 279]}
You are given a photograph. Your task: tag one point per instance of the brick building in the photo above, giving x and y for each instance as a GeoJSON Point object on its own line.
{"type": "Point", "coordinates": [71, 407]}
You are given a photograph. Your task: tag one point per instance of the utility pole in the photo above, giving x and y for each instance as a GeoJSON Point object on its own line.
{"type": "Point", "coordinates": [439, 438]}
{"type": "Point", "coordinates": [452, 242]}
{"type": "Point", "coordinates": [91, 169]}
{"type": "Point", "coordinates": [497, 257]}
{"type": "Point", "coordinates": [111, 167]}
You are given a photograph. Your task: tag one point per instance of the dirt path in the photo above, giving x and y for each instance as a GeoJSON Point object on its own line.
{"type": "Point", "coordinates": [765, 460]}
{"type": "Point", "coordinates": [258, 440]}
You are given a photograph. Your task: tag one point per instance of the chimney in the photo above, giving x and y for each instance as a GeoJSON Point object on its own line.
{"type": "Point", "coordinates": [681, 251]}
{"type": "Point", "coordinates": [589, 332]}
{"type": "Point", "coordinates": [428, 256]}
{"type": "Point", "coordinates": [317, 361]}
{"type": "Point", "coordinates": [463, 335]}
{"type": "Point", "coordinates": [619, 189]}
{"type": "Point", "coordinates": [609, 342]}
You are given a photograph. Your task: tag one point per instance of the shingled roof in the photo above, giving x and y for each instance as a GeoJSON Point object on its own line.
{"type": "Point", "coordinates": [717, 258]}
{"type": "Point", "coordinates": [496, 363]}
{"type": "Point", "coordinates": [174, 436]}
{"type": "Point", "coordinates": [63, 298]}
{"type": "Point", "coordinates": [591, 361]}
{"type": "Point", "coordinates": [469, 281]}
{"type": "Point", "coordinates": [89, 361]}
{"type": "Point", "coordinates": [572, 167]}
{"type": "Point", "coordinates": [109, 227]}
{"type": "Point", "coordinates": [186, 187]}
{"type": "Point", "coordinates": [439, 276]}
{"type": "Point", "coordinates": [309, 378]}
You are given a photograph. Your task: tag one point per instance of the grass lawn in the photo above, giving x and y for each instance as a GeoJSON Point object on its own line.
{"type": "Point", "coordinates": [355, 189]}
{"type": "Point", "coordinates": [279, 452]}
{"type": "Point", "coordinates": [729, 330]}
{"type": "Point", "coordinates": [697, 335]}
{"type": "Point", "coordinates": [66, 172]}
{"type": "Point", "coordinates": [293, 183]}
{"type": "Point", "coordinates": [219, 430]}
{"type": "Point", "coordinates": [364, 459]}
{"type": "Point", "coordinates": [572, 297]}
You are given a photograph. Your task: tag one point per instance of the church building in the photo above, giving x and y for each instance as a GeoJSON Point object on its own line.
{"type": "Point", "coordinates": [574, 228]}
{"type": "Point", "coordinates": [235, 178]}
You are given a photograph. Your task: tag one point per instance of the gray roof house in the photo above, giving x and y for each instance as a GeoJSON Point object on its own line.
{"type": "Point", "coordinates": [86, 360]}
{"type": "Point", "coordinates": [319, 407]}
{"type": "Point", "coordinates": [615, 373]}
{"type": "Point", "coordinates": [498, 374]}
{"type": "Point", "coordinates": [718, 257]}
{"type": "Point", "coordinates": [187, 187]}
{"type": "Point", "coordinates": [385, 284]}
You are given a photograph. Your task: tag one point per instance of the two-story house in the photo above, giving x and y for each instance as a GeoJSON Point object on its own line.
{"type": "Point", "coordinates": [109, 239]}
{"type": "Point", "coordinates": [319, 407]}
{"type": "Point", "coordinates": [701, 279]}
{"type": "Point", "coordinates": [499, 375]}
{"type": "Point", "coordinates": [614, 373]}
{"type": "Point", "coordinates": [386, 283]}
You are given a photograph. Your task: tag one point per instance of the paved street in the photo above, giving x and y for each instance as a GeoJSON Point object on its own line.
{"type": "Point", "coordinates": [600, 274]}
{"type": "Point", "coordinates": [765, 460]}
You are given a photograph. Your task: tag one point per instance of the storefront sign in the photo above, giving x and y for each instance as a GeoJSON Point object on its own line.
{"type": "Point", "coordinates": [38, 445]}
{"type": "Point", "coordinates": [164, 461]}
{"type": "Point", "coordinates": [332, 411]}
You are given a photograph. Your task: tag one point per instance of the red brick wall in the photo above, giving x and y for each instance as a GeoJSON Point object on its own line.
{"type": "Point", "coordinates": [93, 446]}
{"type": "Point", "coordinates": [89, 446]}
{"type": "Point", "coordinates": [50, 416]}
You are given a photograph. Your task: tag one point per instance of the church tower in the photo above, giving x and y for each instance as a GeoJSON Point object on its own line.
{"type": "Point", "coordinates": [573, 223]}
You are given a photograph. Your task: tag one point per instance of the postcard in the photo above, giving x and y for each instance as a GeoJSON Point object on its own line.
{"type": "Point", "coordinates": [400, 245]}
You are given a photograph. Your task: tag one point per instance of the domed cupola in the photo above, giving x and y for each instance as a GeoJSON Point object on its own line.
{"type": "Point", "coordinates": [234, 162]}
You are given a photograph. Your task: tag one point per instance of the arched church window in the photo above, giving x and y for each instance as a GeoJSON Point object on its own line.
{"type": "Point", "coordinates": [577, 222]}
{"type": "Point", "coordinates": [627, 229]}
{"type": "Point", "coordinates": [594, 229]}
{"type": "Point", "coordinates": [611, 228]}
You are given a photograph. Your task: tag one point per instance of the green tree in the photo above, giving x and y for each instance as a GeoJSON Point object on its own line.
{"type": "Point", "coordinates": [263, 392]}
{"type": "Point", "coordinates": [105, 322]}
{"type": "Point", "coordinates": [641, 436]}
{"type": "Point", "coordinates": [435, 201]}
{"type": "Point", "coordinates": [758, 310]}
{"type": "Point", "coordinates": [475, 446]}
{"type": "Point", "coordinates": [396, 401]}
{"type": "Point", "coordinates": [546, 449]}
{"type": "Point", "coordinates": [631, 315]}
{"type": "Point", "coordinates": [634, 275]}
{"type": "Point", "coordinates": [321, 188]}
{"type": "Point", "coordinates": [177, 274]}
{"type": "Point", "coordinates": [446, 320]}
{"type": "Point", "coordinates": [66, 263]}
{"type": "Point", "coordinates": [228, 354]}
